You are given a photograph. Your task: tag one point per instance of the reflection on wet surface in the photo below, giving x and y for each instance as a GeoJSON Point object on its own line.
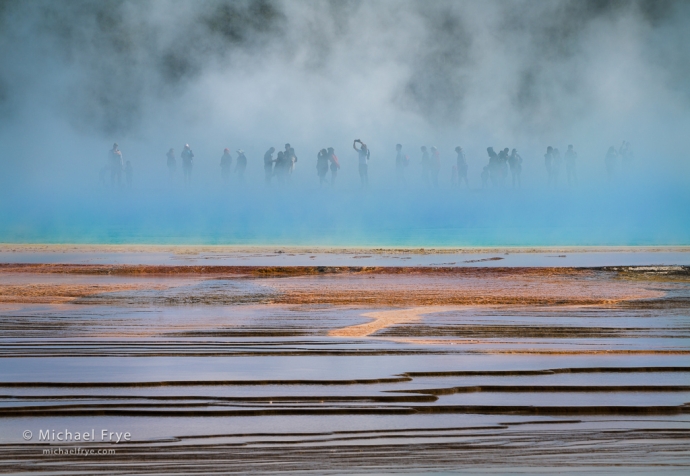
{"type": "Point", "coordinates": [347, 370]}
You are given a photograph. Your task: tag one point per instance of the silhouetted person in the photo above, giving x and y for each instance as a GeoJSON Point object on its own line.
{"type": "Point", "coordinates": [556, 165]}
{"type": "Point", "coordinates": [268, 165]}
{"type": "Point", "coordinates": [461, 164]}
{"type": "Point", "coordinates": [610, 160]}
{"type": "Point", "coordinates": [322, 165]}
{"type": "Point", "coordinates": [571, 165]}
{"type": "Point", "coordinates": [363, 152]}
{"type": "Point", "coordinates": [485, 176]}
{"type": "Point", "coordinates": [335, 165]}
{"type": "Point", "coordinates": [241, 165]}
{"type": "Point", "coordinates": [515, 163]}
{"type": "Point", "coordinates": [172, 163]}
{"type": "Point", "coordinates": [401, 161]}
{"type": "Point", "coordinates": [503, 166]}
{"type": "Point", "coordinates": [494, 167]}
{"type": "Point", "coordinates": [226, 165]}
{"type": "Point", "coordinates": [426, 165]}
{"type": "Point", "coordinates": [129, 173]}
{"type": "Point", "coordinates": [187, 163]}
{"type": "Point", "coordinates": [115, 162]}
{"type": "Point", "coordinates": [548, 159]}
{"type": "Point", "coordinates": [435, 162]}
{"type": "Point", "coordinates": [281, 166]}
{"type": "Point", "coordinates": [290, 157]}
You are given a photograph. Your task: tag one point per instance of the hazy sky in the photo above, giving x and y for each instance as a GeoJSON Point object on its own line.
{"type": "Point", "coordinates": [152, 75]}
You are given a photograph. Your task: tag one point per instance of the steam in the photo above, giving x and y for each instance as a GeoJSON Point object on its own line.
{"type": "Point", "coordinates": [80, 75]}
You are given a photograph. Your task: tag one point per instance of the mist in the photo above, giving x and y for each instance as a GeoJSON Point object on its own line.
{"type": "Point", "coordinates": [151, 75]}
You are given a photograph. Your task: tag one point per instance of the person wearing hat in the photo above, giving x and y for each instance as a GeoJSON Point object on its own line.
{"type": "Point", "coordinates": [187, 162]}
{"type": "Point", "coordinates": [241, 165]}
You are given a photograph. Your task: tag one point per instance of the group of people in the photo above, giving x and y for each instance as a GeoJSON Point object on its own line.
{"type": "Point", "coordinates": [625, 154]}
{"type": "Point", "coordinates": [495, 173]}
{"type": "Point", "coordinates": [327, 160]}
{"type": "Point", "coordinates": [553, 162]}
{"type": "Point", "coordinates": [117, 166]}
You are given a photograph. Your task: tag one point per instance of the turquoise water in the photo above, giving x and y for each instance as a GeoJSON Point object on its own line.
{"type": "Point", "coordinates": [350, 217]}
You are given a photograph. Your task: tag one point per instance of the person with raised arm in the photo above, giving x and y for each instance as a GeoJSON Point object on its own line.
{"type": "Point", "coordinates": [364, 154]}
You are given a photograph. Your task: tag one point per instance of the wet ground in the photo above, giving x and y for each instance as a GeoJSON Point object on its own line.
{"type": "Point", "coordinates": [345, 368]}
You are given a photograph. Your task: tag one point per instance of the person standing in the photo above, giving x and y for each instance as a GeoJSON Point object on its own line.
{"type": "Point", "coordinates": [363, 152]}
{"type": "Point", "coordinates": [225, 165]}
{"type": "Point", "coordinates": [611, 162]}
{"type": "Point", "coordinates": [401, 161]}
{"type": "Point", "coordinates": [241, 165]}
{"type": "Point", "coordinates": [494, 167]}
{"type": "Point", "coordinates": [172, 163]}
{"type": "Point", "coordinates": [268, 165]}
{"type": "Point", "coordinates": [515, 163]}
{"type": "Point", "coordinates": [291, 158]}
{"type": "Point", "coordinates": [571, 166]}
{"type": "Point", "coordinates": [322, 165]}
{"type": "Point", "coordinates": [187, 163]}
{"type": "Point", "coordinates": [461, 164]}
{"type": "Point", "coordinates": [335, 165]}
{"type": "Point", "coordinates": [115, 162]}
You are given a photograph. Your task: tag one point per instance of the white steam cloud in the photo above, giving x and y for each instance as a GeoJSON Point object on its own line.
{"type": "Point", "coordinates": [150, 75]}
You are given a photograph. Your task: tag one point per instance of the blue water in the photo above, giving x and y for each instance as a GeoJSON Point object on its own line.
{"type": "Point", "coordinates": [349, 217]}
